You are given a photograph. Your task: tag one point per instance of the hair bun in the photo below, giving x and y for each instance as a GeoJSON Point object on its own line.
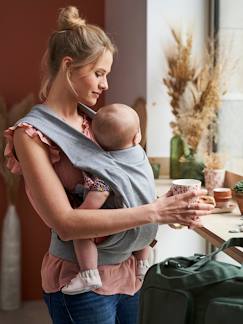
{"type": "Point", "coordinates": [69, 19]}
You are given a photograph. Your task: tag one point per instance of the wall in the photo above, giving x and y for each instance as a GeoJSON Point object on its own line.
{"type": "Point", "coordinates": [24, 29]}
{"type": "Point", "coordinates": [125, 21]}
{"type": "Point", "coordinates": [185, 15]}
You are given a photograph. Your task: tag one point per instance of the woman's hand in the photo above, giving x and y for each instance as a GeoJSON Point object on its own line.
{"type": "Point", "coordinates": [179, 209]}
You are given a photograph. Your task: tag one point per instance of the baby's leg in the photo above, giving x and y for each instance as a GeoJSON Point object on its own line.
{"type": "Point", "coordinates": [88, 278]}
{"type": "Point", "coordinates": [86, 254]}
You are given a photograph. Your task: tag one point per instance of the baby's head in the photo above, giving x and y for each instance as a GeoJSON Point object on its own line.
{"type": "Point", "coordinates": [116, 127]}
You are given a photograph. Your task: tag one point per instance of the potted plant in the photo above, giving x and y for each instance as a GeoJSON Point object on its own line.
{"type": "Point", "coordinates": [195, 88]}
{"type": "Point", "coordinates": [238, 190]}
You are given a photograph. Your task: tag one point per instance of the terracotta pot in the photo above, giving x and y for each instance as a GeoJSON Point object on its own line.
{"type": "Point", "coordinates": [222, 197]}
{"type": "Point", "coordinates": [239, 200]}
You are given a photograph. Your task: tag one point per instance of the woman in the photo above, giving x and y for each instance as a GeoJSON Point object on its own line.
{"type": "Point", "coordinates": [78, 60]}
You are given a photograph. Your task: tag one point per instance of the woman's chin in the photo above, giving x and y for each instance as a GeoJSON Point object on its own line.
{"type": "Point", "coordinates": [90, 102]}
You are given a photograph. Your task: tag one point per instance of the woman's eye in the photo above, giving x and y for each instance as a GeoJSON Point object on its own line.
{"type": "Point", "coordinates": [98, 74]}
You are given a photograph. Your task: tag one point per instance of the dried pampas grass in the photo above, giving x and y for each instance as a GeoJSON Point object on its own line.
{"type": "Point", "coordinates": [215, 160]}
{"type": "Point", "coordinates": [195, 92]}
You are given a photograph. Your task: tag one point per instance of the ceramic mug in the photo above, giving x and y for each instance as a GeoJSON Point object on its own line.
{"type": "Point", "coordinates": [180, 186]}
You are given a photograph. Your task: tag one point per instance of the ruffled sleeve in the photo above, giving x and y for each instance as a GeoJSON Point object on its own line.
{"type": "Point", "coordinates": [12, 162]}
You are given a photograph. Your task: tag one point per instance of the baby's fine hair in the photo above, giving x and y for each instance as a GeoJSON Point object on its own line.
{"type": "Point", "coordinates": [84, 43]}
{"type": "Point", "coordinates": [115, 126]}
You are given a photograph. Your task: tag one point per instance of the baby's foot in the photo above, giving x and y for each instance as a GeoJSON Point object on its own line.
{"type": "Point", "coordinates": [142, 268]}
{"type": "Point", "coordinates": [84, 281]}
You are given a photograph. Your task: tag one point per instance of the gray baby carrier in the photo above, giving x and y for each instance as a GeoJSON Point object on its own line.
{"type": "Point", "coordinates": [127, 172]}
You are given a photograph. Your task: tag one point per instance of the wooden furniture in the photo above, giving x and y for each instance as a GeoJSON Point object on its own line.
{"type": "Point", "coordinates": [216, 231]}
{"type": "Point", "coordinates": [215, 226]}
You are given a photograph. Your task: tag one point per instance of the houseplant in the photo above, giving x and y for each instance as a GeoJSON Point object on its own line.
{"type": "Point", "coordinates": [238, 193]}
{"type": "Point", "coordinates": [195, 90]}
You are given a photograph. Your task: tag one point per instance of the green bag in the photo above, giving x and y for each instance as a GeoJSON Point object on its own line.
{"type": "Point", "coordinates": [193, 290]}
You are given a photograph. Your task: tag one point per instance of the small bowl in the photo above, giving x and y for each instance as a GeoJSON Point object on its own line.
{"type": "Point", "coordinates": [222, 197]}
{"type": "Point", "coordinates": [222, 193]}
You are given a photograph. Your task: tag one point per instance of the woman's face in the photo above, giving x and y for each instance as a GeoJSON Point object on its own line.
{"type": "Point", "coordinates": [91, 80]}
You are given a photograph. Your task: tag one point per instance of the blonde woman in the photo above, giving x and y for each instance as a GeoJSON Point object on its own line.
{"type": "Point", "coordinates": [78, 59]}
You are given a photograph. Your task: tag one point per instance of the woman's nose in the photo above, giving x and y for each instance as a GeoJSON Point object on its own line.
{"type": "Point", "coordinates": [104, 84]}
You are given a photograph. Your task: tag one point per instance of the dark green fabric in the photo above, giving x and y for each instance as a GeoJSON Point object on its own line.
{"type": "Point", "coordinates": [225, 311]}
{"type": "Point", "coordinates": [193, 290]}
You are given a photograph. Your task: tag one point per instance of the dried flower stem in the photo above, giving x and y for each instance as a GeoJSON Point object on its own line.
{"type": "Point", "coordinates": [195, 92]}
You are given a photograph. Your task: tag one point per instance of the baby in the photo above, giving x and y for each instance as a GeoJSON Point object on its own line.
{"type": "Point", "coordinates": [115, 127]}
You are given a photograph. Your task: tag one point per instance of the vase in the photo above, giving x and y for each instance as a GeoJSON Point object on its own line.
{"type": "Point", "coordinates": [176, 152]}
{"type": "Point", "coordinates": [191, 168]}
{"type": "Point", "coordinates": [214, 178]}
{"type": "Point", "coordinates": [10, 261]}
{"type": "Point", "coordinates": [184, 163]}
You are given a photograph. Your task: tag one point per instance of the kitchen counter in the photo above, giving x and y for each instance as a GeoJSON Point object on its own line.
{"type": "Point", "coordinates": [215, 226]}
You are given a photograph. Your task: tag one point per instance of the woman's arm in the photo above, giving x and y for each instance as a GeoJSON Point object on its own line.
{"type": "Point", "coordinates": [55, 209]}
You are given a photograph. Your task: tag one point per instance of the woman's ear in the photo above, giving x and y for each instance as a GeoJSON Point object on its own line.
{"type": "Point", "coordinates": [66, 63]}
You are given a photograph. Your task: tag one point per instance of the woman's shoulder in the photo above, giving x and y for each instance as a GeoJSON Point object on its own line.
{"type": "Point", "coordinates": [24, 136]}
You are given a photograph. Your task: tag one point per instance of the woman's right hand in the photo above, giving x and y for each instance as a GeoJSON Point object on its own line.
{"type": "Point", "coordinates": [179, 209]}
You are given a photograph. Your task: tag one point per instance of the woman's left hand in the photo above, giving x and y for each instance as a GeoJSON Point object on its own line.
{"type": "Point", "coordinates": [180, 209]}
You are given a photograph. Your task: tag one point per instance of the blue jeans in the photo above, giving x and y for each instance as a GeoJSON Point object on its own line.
{"type": "Point", "coordinates": [91, 308]}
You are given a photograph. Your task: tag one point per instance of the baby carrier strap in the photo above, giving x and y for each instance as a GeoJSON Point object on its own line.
{"type": "Point", "coordinates": [82, 152]}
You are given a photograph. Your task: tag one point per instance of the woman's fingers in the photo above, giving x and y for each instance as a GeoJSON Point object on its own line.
{"type": "Point", "coordinates": [190, 223]}
{"type": "Point", "coordinates": [183, 200]}
{"type": "Point", "coordinates": [195, 224]}
{"type": "Point", "coordinates": [169, 193]}
{"type": "Point", "coordinates": [192, 213]}
{"type": "Point", "coordinates": [185, 209]}
{"type": "Point", "coordinates": [201, 206]}
{"type": "Point", "coordinates": [187, 195]}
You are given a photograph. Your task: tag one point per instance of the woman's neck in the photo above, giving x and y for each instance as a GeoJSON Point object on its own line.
{"type": "Point", "coordinates": [62, 106]}
{"type": "Point", "coordinates": [61, 101]}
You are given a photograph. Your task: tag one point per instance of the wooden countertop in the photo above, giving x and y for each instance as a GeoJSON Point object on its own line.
{"type": "Point", "coordinates": [215, 226]}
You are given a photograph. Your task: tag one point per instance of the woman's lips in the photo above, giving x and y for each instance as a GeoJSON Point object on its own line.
{"type": "Point", "coordinates": [97, 94]}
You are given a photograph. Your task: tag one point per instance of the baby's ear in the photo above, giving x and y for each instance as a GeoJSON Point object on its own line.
{"type": "Point", "coordinates": [137, 138]}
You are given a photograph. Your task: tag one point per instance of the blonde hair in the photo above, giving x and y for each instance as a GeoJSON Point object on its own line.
{"type": "Point", "coordinates": [84, 43]}
{"type": "Point", "coordinates": [115, 126]}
